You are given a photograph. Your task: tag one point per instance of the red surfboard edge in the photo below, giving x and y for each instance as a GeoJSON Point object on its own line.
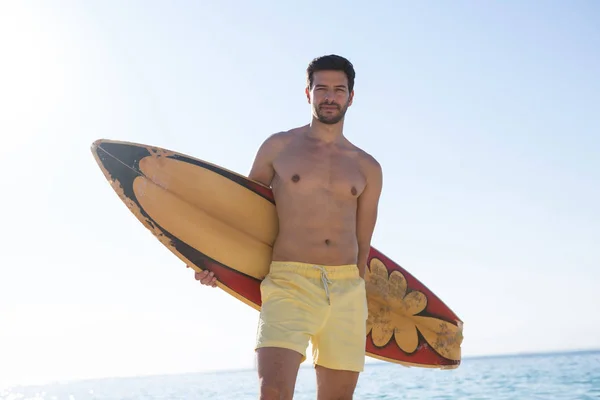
{"type": "Point", "coordinates": [119, 162]}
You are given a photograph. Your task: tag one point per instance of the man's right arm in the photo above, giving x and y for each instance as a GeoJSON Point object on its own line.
{"type": "Point", "coordinates": [262, 170]}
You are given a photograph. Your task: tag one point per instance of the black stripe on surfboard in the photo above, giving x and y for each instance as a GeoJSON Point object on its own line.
{"type": "Point", "coordinates": [122, 162]}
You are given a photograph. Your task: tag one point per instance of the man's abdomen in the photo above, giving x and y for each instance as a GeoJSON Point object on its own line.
{"type": "Point", "coordinates": [318, 239]}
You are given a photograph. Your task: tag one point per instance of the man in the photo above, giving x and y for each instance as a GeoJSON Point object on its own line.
{"type": "Point", "coordinates": [327, 193]}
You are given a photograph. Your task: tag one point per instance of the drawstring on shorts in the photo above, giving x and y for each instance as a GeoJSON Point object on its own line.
{"type": "Point", "coordinates": [325, 280]}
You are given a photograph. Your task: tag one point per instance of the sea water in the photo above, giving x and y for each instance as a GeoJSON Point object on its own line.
{"type": "Point", "coordinates": [543, 376]}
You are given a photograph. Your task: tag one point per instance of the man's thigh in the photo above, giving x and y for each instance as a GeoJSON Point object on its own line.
{"type": "Point", "coordinates": [335, 384]}
{"type": "Point", "coordinates": [340, 344]}
{"type": "Point", "coordinates": [277, 372]}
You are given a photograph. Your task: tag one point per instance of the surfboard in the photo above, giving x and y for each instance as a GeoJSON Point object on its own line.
{"type": "Point", "coordinates": [215, 219]}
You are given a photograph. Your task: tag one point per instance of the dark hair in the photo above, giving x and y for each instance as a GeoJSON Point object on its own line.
{"type": "Point", "coordinates": [331, 62]}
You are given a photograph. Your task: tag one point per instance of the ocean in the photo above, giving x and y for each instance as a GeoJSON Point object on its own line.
{"type": "Point", "coordinates": [573, 375]}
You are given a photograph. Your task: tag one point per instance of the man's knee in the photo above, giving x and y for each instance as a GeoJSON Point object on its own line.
{"type": "Point", "coordinates": [277, 372]}
{"type": "Point", "coordinates": [335, 384]}
{"type": "Point", "coordinates": [270, 390]}
{"type": "Point", "coordinates": [336, 393]}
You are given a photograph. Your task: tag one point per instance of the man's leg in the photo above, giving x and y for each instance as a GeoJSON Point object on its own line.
{"type": "Point", "coordinates": [335, 384]}
{"type": "Point", "coordinates": [339, 347]}
{"type": "Point", "coordinates": [293, 308]}
{"type": "Point", "coordinates": [277, 372]}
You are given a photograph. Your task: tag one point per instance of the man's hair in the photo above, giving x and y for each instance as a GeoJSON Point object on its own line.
{"type": "Point", "coordinates": [331, 62]}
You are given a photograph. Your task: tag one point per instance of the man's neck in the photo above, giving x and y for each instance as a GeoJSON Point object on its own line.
{"type": "Point", "coordinates": [326, 133]}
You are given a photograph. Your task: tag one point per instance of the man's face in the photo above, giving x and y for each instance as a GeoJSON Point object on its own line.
{"type": "Point", "coordinates": [329, 96]}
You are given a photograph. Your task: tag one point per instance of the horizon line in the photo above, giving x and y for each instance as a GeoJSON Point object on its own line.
{"type": "Point", "coordinates": [543, 353]}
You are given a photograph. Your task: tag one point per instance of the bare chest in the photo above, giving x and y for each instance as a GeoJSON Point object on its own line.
{"type": "Point", "coordinates": [312, 169]}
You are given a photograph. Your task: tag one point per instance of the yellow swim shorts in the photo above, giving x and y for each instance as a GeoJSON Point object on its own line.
{"type": "Point", "coordinates": [326, 305]}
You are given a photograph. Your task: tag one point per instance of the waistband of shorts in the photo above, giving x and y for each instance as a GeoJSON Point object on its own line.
{"type": "Point", "coordinates": [346, 271]}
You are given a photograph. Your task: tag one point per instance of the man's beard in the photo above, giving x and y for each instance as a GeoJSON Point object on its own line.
{"type": "Point", "coordinates": [330, 119]}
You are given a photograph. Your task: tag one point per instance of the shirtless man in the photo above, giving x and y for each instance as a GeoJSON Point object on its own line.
{"type": "Point", "coordinates": [327, 193]}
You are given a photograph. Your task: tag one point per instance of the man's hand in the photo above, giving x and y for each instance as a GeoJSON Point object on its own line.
{"type": "Point", "coordinates": [206, 278]}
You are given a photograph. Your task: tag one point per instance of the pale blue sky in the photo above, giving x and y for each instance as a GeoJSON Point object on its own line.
{"type": "Point", "coordinates": [484, 116]}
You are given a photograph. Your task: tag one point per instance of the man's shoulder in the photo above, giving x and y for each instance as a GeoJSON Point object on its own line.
{"type": "Point", "coordinates": [368, 162]}
{"type": "Point", "coordinates": [371, 169]}
{"type": "Point", "coordinates": [282, 138]}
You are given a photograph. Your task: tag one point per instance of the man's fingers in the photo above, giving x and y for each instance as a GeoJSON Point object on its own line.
{"type": "Point", "coordinates": [200, 275]}
{"type": "Point", "coordinates": [210, 280]}
{"type": "Point", "coordinates": [206, 278]}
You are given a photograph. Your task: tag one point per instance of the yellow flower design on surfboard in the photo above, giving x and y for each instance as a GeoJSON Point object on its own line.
{"type": "Point", "coordinates": [394, 312]}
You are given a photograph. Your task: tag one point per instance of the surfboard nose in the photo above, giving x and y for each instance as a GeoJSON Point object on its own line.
{"type": "Point", "coordinates": [119, 162]}
{"type": "Point", "coordinates": [125, 153]}
{"type": "Point", "coordinates": [96, 143]}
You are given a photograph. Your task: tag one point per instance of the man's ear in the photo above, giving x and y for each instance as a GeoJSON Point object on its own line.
{"type": "Point", "coordinates": [351, 98]}
{"type": "Point", "coordinates": [307, 92]}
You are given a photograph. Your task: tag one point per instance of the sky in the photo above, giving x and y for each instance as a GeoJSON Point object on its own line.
{"type": "Point", "coordinates": [483, 115]}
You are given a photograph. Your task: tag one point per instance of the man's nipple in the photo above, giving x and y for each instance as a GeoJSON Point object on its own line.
{"type": "Point", "coordinates": [295, 178]}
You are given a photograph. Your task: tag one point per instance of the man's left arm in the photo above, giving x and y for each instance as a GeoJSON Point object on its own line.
{"type": "Point", "coordinates": [366, 214]}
